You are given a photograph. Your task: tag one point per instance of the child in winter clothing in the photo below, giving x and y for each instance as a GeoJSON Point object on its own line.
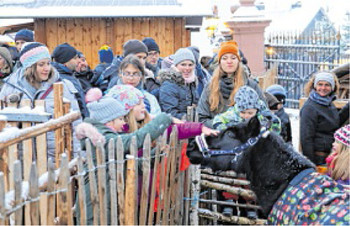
{"type": "Point", "coordinates": [247, 105]}
{"type": "Point", "coordinates": [338, 161]}
{"type": "Point", "coordinates": [280, 93]}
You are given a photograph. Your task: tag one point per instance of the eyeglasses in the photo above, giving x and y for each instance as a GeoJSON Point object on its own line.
{"type": "Point", "coordinates": [133, 75]}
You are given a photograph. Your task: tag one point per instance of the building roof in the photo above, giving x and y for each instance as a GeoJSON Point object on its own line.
{"type": "Point", "coordinates": [103, 8]}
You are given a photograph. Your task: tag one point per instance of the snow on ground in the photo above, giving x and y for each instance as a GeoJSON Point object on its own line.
{"type": "Point", "coordinates": [294, 121]}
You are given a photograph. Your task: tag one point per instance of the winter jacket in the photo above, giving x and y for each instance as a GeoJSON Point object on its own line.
{"type": "Point", "coordinates": [286, 132]}
{"type": "Point", "coordinates": [67, 74]}
{"type": "Point", "coordinates": [231, 117]}
{"type": "Point", "coordinates": [317, 126]}
{"type": "Point", "coordinates": [89, 79]}
{"type": "Point", "coordinates": [205, 114]}
{"type": "Point", "coordinates": [16, 83]}
{"type": "Point", "coordinates": [313, 199]}
{"type": "Point", "coordinates": [174, 95]}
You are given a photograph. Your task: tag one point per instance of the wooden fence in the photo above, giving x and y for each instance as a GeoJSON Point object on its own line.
{"type": "Point", "coordinates": [123, 187]}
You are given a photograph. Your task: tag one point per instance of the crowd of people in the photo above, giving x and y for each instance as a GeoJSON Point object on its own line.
{"type": "Point", "coordinates": [139, 92]}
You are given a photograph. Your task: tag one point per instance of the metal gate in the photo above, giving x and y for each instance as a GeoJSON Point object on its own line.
{"type": "Point", "coordinates": [298, 56]}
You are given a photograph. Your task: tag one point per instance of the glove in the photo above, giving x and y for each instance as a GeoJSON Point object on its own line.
{"type": "Point", "coordinates": [86, 130]}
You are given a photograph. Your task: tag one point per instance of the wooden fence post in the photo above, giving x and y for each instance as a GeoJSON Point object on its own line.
{"type": "Point", "coordinates": [41, 157]}
{"type": "Point", "coordinates": [93, 185]}
{"type": "Point", "coordinates": [34, 194]}
{"type": "Point", "coordinates": [17, 167]}
{"type": "Point", "coordinates": [102, 182]}
{"type": "Point", "coordinates": [64, 197]}
{"type": "Point", "coordinates": [195, 189]}
{"type": "Point", "coordinates": [27, 157]}
{"type": "Point", "coordinates": [58, 112]}
{"type": "Point", "coordinates": [68, 133]}
{"type": "Point", "coordinates": [131, 183]}
{"type": "Point", "coordinates": [112, 182]}
{"type": "Point", "coordinates": [120, 180]}
{"type": "Point", "coordinates": [51, 199]}
{"type": "Point", "coordinates": [146, 166]}
{"type": "Point", "coordinates": [2, 200]}
{"type": "Point", "coordinates": [173, 176]}
{"type": "Point", "coordinates": [81, 191]}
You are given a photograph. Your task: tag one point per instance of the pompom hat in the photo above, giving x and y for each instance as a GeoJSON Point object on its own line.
{"type": "Point", "coordinates": [127, 95]}
{"type": "Point", "coordinates": [246, 98]}
{"type": "Point", "coordinates": [105, 54]}
{"type": "Point", "coordinates": [229, 47]}
{"type": "Point", "coordinates": [103, 109]}
{"type": "Point", "coordinates": [32, 52]}
{"type": "Point", "coordinates": [343, 135]}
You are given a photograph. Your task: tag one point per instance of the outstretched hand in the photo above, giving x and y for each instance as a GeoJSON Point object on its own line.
{"type": "Point", "coordinates": [208, 132]}
{"type": "Point", "coordinates": [176, 120]}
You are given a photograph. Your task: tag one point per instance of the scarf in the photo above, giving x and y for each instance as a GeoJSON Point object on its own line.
{"type": "Point", "coordinates": [325, 101]}
{"type": "Point", "coordinates": [190, 79]}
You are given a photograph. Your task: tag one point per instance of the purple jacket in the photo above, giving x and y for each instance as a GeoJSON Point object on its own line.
{"type": "Point", "coordinates": [187, 129]}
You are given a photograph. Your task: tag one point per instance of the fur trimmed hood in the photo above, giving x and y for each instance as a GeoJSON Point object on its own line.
{"type": "Point", "coordinates": [173, 76]}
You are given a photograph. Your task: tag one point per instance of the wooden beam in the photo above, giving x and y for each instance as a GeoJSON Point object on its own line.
{"type": "Point", "coordinates": [34, 131]}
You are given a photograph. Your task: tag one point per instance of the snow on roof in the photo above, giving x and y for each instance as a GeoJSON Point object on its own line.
{"type": "Point", "coordinates": [291, 20]}
{"type": "Point", "coordinates": [89, 8]}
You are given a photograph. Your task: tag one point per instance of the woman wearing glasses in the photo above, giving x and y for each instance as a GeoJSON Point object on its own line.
{"type": "Point", "coordinates": [132, 72]}
{"type": "Point", "coordinates": [179, 84]}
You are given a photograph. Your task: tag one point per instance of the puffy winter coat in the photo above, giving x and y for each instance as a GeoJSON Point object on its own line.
{"type": "Point", "coordinates": [16, 83]}
{"type": "Point", "coordinates": [174, 95]}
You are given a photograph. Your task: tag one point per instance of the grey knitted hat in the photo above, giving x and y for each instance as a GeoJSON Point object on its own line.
{"type": "Point", "coordinates": [324, 76]}
{"type": "Point", "coordinates": [246, 98]}
{"type": "Point", "coordinates": [183, 54]}
{"type": "Point", "coordinates": [134, 46]}
{"type": "Point", "coordinates": [106, 109]}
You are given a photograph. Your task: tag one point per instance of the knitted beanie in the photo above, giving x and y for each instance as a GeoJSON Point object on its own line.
{"type": "Point", "coordinates": [343, 135]}
{"type": "Point", "coordinates": [167, 62]}
{"type": "Point", "coordinates": [134, 46]}
{"type": "Point", "coordinates": [183, 54]}
{"type": "Point", "coordinates": [271, 100]}
{"type": "Point", "coordinates": [229, 47]}
{"type": "Point", "coordinates": [5, 53]}
{"type": "Point", "coordinates": [25, 35]}
{"type": "Point", "coordinates": [324, 76]}
{"type": "Point", "coordinates": [105, 54]}
{"type": "Point", "coordinates": [64, 53]}
{"type": "Point", "coordinates": [151, 44]}
{"type": "Point", "coordinates": [246, 98]}
{"type": "Point", "coordinates": [127, 95]}
{"type": "Point", "coordinates": [106, 109]}
{"type": "Point", "coordinates": [32, 52]}
{"type": "Point", "coordinates": [277, 90]}
{"type": "Point", "coordinates": [195, 51]}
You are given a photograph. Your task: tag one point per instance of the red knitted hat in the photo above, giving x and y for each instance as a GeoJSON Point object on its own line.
{"type": "Point", "coordinates": [229, 47]}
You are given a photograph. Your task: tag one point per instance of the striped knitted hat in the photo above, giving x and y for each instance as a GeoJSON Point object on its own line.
{"type": "Point", "coordinates": [343, 135]}
{"type": "Point", "coordinates": [32, 52]}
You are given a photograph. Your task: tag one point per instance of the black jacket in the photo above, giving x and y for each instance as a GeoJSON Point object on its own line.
{"type": "Point", "coordinates": [286, 129]}
{"type": "Point", "coordinates": [65, 73]}
{"type": "Point", "coordinates": [317, 126]}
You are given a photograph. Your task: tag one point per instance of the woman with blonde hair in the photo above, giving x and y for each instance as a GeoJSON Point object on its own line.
{"type": "Point", "coordinates": [227, 78]}
{"type": "Point", "coordinates": [339, 160]}
{"type": "Point", "coordinates": [319, 118]}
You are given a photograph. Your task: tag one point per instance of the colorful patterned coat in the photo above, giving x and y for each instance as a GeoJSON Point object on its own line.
{"type": "Point", "coordinates": [311, 199]}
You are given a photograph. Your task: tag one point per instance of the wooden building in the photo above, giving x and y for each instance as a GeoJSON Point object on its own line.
{"type": "Point", "coordinates": [88, 24]}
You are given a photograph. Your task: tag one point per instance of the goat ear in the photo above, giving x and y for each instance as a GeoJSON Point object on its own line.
{"type": "Point", "coordinates": [254, 126]}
